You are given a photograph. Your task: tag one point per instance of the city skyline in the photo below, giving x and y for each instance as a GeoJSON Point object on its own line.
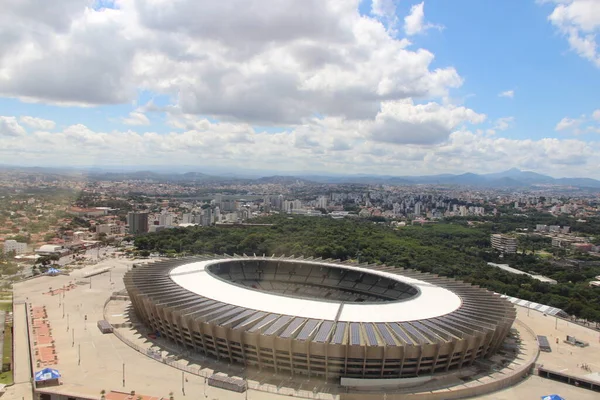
{"type": "Point", "coordinates": [357, 87]}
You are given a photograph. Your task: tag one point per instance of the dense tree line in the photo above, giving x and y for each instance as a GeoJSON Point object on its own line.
{"type": "Point", "coordinates": [448, 249]}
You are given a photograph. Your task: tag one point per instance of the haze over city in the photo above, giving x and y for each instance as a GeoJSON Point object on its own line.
{"type": "Point", "coordinates": [376, 87]}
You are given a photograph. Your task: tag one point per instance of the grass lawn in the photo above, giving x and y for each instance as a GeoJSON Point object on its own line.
{"type": "Point", "coordinates": [7, 377]}
{"type": "Point", "coordinates": [543, 254]}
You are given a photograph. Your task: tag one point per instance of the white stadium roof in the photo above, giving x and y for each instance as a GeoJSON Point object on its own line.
{"type": "Point", "coordinates": [432, 301]}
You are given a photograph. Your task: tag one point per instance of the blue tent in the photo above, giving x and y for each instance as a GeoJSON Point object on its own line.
{"type": "Point", "coordinates": [53, 271]}
{"type": "Point", "coordinates": [46, 374]}
{"type": "Point", "coordinates": [552, 397]}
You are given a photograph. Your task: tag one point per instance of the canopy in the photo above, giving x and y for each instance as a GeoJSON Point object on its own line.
{"type": "Point", "coordinates": [552, 397]}
{"type": "Point", "coordinates": [53, 271]}
{"type": "Point", "coordinates": [46, 374]}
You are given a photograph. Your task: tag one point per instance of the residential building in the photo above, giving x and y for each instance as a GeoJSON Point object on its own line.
{"type": "Point", "coordinates": [322, 202]}
{"type": "Point", "coordinates": [110, 229]}
{"type": "Point", "coordinates": [165, 219]}
{"type": "Point", "coordinates": [417, 208]}
{"type": "Point", "coordinates": [187, 218]}
{"type": "Point", "coordinates": [13, 245]}
{"type": "Point", "coordinates": [207, 217]}
{"type": "Point", "coordinates": [138, 222]}
{"type": "Point", "coordinates": [504, 243]}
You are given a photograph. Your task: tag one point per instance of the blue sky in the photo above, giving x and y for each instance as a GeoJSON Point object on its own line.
{"type": "Point", "coordinates": [405, 87]}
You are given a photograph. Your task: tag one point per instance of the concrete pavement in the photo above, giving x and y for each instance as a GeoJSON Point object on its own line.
{"type": "Point", "coordinates": [90, 361]}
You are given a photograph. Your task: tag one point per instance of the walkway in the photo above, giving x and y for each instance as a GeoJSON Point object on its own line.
{"type": "Point", "coordinates": [21, 361]}
{"type": "Point", "coordinates": [2, 323]}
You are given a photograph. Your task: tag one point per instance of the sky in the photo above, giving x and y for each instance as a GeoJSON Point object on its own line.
{"type": "Point", "coordinates": [385, 87]}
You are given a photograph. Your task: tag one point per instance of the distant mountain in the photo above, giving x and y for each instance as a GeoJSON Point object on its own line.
{"type": "Point", "coordinates": [158, 177]}
{"type": "Point", "coordinates": [512, 178]}
{"type": "Point", "coordinates": [282, 180]}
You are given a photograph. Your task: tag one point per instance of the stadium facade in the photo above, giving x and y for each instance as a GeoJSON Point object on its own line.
{"type": "Point", "coordinates": [319, 317]}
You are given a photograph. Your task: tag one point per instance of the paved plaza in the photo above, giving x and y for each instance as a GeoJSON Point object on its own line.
{"type": "Point", "coordinates": [90, 361]}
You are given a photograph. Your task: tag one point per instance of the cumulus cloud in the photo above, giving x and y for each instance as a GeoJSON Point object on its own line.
{"type": "Point", "coordinates": [136, 118]}
{"type": "Point", "coordinates": [267, 62]}
{"type": "Point", "coordinates": [568, 123]}
{"type": "Point", "coordinates": [504, 123]}
{"type": "Point", "coordinates": [331, 144]}
{"type": "Point", "coordinates": [414, 22]}
{"type": "Point", "coordinates": [10, 127]}
{"type": "Point", "coordinates": [579, 22]}
{"type": "Point", "coordinates": [37, 123]}
{"type": "Point", "coordinates": [581, 125]}
{"type": "Point", "coordinates": [385, 10]}
{"type": "Point", "coordinates": [405, 122]}
{"type": "Point", "coordinates": [508, 93]}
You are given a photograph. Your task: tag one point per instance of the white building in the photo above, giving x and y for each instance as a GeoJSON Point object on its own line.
{"type": "Point", "coordinates": [50, 249]}
{"type": "Point", "coordinates": [503, 243]}
{"type": "Point", "coordinates": [110, 229]}
{"type": "Point", "coordinates": [187, 218]}
{"type": "Point", "coordinates": [541, 228]}
{"type": "Point", "coordinates": [418, 208]}
{"type": "Point", "coordinates": [165, 219]}
{"type": "Point", "coordinates": [322, 202]}
{"type": "Point", "coordinates": [13, 245]}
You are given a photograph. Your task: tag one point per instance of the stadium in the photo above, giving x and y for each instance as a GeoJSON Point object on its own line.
{"type": "Point", "coordinates": [321, 318]}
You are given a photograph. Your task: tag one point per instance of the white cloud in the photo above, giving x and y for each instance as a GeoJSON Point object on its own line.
{"type": "Point", "coordinates": [385, 10]}
{"type": "Point", "coordinates": [10, 127]}
{"type": "Point", "coordinates": [37, 123]}
{"type": "Point", "coordinates": [414, 22]}
{"type": "Point", "coordinates": [504, 123]}
{"type": "Point", "coordinates": [508, 93]}
{"type": "Point", "coordinates": [405, 122]}
{"type": "Point", "coordinates": [581, 125]}
{"type": "Point", "coordinates": [329, 144]}
{"type": "Point", "coordinates": [579, 21]}
{"type": "Point", "coordinates": [273, 63]}
{"type": "Point", "coordinates": [136, 118]}
{"type": "Point", "coordinates": [568, 123]}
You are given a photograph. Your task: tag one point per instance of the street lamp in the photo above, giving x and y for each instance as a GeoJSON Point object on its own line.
{"type": "Point", "coordinates": [182, 383]}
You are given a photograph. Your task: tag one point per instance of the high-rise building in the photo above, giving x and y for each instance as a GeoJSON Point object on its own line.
{"type": "Point", "coordinates": [138, 222]}
{"type": "Point", "coordinates": [186, 218]}
{"type": "Point", "coordinates": [322, 202]}
{"type": "Point", "coordinates": [504, 243]}
{"type": "Point", "coordinates": [165, 219]}
{"type": "Point", "coordinates": [207, 217]}
{"type": "Point", "coordinates": [418, 208]}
